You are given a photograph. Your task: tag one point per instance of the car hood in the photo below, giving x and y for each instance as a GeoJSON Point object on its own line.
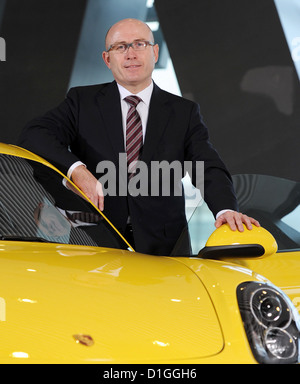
{"type": "Point", "coordinates": [85, 304]}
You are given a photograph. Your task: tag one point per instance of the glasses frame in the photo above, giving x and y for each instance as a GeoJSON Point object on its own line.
{"type": "Point", "coordinates": [128, 45]}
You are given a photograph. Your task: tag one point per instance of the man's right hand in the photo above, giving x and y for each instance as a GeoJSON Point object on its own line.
{"type": "Point", "coordinates": [89, 185]}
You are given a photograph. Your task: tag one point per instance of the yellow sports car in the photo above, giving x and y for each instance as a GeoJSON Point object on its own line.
{"type": "Point", "coordinates": [72, 290]}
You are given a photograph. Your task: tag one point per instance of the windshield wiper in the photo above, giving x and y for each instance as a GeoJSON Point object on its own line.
{"type": "Point", "coordinates": [25, 238]}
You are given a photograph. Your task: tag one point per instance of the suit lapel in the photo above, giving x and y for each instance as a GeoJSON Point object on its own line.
{"type": "Point", "coordinates": [159, 113]}
{"type": "Point", "coordinates": [108, 101]}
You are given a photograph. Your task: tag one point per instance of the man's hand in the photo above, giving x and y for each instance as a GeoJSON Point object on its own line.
{"type": "Point", "coordinates": [236, 220]}
{"type": "Point", "coordinates": [89, 185]}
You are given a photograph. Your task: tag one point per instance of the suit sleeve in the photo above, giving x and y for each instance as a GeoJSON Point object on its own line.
{"type": "Point", "coordinates": [216, 183]}
{"type": "Point", "coordinates": [51, 135]}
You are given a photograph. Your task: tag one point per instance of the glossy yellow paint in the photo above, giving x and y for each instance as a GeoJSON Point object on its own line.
{"type": "Point", "coordinates": [281, 268]}
{"type": "Point", "coordinates": [77, 304]}
{"type": "Point", "coordinates": [135, 308]}
{"type": "Point", "coordinates": [224, 235]}
{"type": "Point", "coordinates": [9, 149]}
{"type": "Point", "coordinates": [221, 280]}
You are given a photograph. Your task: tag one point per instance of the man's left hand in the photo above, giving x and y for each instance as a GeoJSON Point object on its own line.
{"type": "Point", "coordinates": [236, 220]}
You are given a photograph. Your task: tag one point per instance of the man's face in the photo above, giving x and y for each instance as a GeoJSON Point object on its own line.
{"type": "Point", "coordinates": [131, 69]}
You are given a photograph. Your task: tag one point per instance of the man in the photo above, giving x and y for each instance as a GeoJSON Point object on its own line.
{"type": "Point", "coordinates": [90, 127]}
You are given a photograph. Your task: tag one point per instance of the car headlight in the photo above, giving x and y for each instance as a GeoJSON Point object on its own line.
{"type": "Point", "coordinates": [271, 322]}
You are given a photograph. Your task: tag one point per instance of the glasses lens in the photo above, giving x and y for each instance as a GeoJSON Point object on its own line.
{"type": "Point", "coordinates": [136, 45]}
{"type": "Point", "coordinates": [139, 45]}
{"type": "Point", "coordinates": [120, 48]}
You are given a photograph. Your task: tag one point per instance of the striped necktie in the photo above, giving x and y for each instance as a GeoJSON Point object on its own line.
{"type": "Point", "coordinates": [134, 134]}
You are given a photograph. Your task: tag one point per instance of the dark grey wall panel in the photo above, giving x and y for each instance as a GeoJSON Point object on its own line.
{"type": "Point", "coordinates": [232, 57]}
{"type": "Point", "coordinates": [41, 41]}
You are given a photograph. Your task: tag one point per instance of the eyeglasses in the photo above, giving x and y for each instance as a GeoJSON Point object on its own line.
{"type": "Point", "coordinates": [138, 45]}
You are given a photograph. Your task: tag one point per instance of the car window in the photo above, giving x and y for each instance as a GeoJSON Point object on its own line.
{"type": "Point", "coordinates": [37, 203]}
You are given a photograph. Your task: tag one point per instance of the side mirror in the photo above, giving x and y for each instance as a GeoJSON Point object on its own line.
{"type": "Point", "coordinates": [224, 242]}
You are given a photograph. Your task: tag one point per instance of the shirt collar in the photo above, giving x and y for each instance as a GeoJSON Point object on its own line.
{"type": "Point", "coordinates": [145, 94]}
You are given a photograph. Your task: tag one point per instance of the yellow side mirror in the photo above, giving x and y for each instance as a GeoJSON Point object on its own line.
{"type": "Point", "coordinates": [224, 242]}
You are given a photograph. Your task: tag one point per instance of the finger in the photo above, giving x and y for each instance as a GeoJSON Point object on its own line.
{"type": "Point", "coordinates": [100, 196]}
{"type": "Point", "coordinates": [226, 218]}
{"type": "Point", "coordinates": [255, 222]}
{"type": "Point", "coordinates": [101, 203]}
{"type": "Point", "coordinates": [93, 199]}
{"type": "Point", "coordinates": [232, 222]}
{"type": "Point", "coordinates": [220, 221]}
{"type": "Point", "coordinates": [246, 220]}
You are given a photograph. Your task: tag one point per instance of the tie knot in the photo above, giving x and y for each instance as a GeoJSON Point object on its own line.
{"type": "Point", "coordinates": [133, 100]}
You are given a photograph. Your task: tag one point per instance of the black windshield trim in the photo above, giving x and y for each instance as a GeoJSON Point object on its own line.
{"type": "Point", "coordinates": [26, 238]}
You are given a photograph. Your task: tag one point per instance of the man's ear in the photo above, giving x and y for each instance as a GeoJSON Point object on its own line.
{"type": "Point", "coordinates": [106, 59]}
{"type": "Point", "coordinates": [156, 52]}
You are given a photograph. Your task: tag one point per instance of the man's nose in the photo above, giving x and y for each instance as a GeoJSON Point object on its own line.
{"type": "Point", "coordinates": [130, 52]}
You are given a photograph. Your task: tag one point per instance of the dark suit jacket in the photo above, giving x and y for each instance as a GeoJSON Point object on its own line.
{"type": "Point", "coordinates": [87, 126]}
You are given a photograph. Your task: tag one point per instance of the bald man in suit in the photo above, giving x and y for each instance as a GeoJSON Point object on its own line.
{"type": "Point", "coordinates": [89, 127]}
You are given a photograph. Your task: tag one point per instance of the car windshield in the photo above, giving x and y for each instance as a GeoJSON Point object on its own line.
{"type": "Point", "coordinates": [38, 204]}
{"type": "Point", "coordinates": [273, 201]}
